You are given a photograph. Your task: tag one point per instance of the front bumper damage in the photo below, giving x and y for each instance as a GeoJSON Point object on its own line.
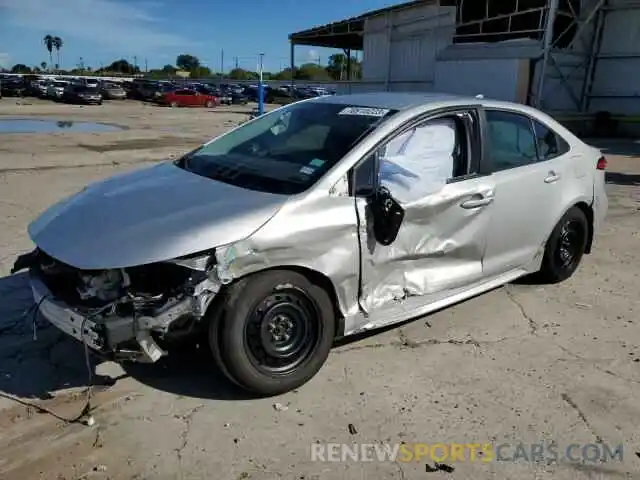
{"type": "Point", "coordinates": [127, 328]}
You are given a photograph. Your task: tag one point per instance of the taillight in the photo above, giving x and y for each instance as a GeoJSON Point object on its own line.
{"type": "Point", "coordinates": [602, 163]}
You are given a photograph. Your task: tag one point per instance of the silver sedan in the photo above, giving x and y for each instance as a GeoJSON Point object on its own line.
{"type": "Point", "coordinates": [319, 220]}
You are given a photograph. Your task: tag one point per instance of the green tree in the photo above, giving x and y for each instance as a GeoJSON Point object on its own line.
{"type": "Point", "coordinates": [284, 74]}
{"type": "Point", "coordinates": [337, 67]}
{"type": "Point", "coordinates": [57, 44]}
{"type": "Point", "coordinates": [122, 66]}
{"type": "Point", "coordinates": [187, 62]}
{"type": "Point", "coordinates": [311, 71]}
{"type": "Point", "coordinates": [43, 66]}
{"type": "Point", "coordinates": [169, 69]}
{"type": "Point", "coordinates": [48, 41]}
{"type": "Point", "coordinates": [242, 74]}
{"type": "Point", "coordinates": [200, 72]}
{"type": "Point", "coordinates": [20, 68]}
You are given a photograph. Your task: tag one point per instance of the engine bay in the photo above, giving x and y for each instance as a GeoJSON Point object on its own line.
{"type": "Point", "coordinates": [143, 304]}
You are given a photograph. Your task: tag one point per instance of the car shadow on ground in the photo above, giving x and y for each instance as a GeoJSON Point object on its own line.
{"type": "Point", "coordinates": [38, 369]}
{"type": "Point", "coordinates": [618, 178]}
{"type": "Point", "coordinates": [34, 368]}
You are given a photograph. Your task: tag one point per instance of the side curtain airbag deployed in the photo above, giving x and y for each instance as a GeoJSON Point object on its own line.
{"type": "Point", "coordinates": [419, 162]}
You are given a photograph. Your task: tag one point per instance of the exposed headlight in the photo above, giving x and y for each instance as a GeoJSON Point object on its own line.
{"type": "Point", "coordinates": [202, 261]}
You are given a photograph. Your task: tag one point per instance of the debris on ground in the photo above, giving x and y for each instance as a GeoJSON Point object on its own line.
{"type": "Point", "coordinates": [438, 467]}
{"type": "Point", "coordinates": [352, 429]}
{"type": "Point", "coordinates": [280, 407]}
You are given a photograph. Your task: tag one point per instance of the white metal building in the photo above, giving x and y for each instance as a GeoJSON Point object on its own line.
{"type": "Point", "coordinates": [564, 56]}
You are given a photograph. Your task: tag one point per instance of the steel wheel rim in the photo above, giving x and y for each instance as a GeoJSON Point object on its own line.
{"type": "Point", "coordinates": [282, 331]}
{"type": "Point", "coordinates": [570, 244]}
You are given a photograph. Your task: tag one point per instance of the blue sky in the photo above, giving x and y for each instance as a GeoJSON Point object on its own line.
{"type": "Point", "coordinates": [101, 31]}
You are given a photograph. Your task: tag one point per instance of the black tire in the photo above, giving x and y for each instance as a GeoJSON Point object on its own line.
{"type": "Point", "coordinates": [565, 247]}
{"type": "Point", "coordinates": [246, 349]}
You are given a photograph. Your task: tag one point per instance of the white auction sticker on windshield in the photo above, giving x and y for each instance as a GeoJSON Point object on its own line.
{"type": "Point", "coordinates": [365, 111]}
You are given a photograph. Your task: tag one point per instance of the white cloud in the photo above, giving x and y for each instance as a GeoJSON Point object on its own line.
{"type": "Point", "coordinates": [313, 55]}
{"type": "Point", "coordinates": [112, 25]}
{"type": "Point", "coordinates": [5, 60]}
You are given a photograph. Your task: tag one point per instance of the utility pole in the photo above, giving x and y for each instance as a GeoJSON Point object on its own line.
{"type": "Point", "coordinates": [146, 65]}
{"type": "Point", "coordinates": [237, 62]}
{"type": "Point", "coordinates": [222, 62]}
{"type": "Point", "coordinates": [260, 84]}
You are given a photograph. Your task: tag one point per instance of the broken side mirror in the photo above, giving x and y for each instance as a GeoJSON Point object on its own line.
{"type": "Point", "coordinates": [388, 215]}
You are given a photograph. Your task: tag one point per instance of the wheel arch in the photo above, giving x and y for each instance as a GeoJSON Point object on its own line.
{"type": "Point", "coordinates": [588, 212]}
{"type": "Point", "coordinates": [586, 208]}
{"type": "Point", "coordinates": [314, 276]}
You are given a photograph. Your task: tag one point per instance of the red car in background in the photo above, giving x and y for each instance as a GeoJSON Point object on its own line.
{"type": "Point", "coordinates": [189, 98]}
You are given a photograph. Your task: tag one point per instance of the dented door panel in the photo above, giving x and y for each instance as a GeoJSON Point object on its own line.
{"type": "Point", "coordinates": [440, 245]}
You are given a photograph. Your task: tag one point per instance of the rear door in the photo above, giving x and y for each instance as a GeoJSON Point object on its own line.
{"type": "Point", "coordinates": [528, 172]}
{"type": "Point", "coordinates": [433, 170]}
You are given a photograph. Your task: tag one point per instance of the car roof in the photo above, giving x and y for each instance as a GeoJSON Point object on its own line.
{"type": "Point", "coordinates": [407, 100]}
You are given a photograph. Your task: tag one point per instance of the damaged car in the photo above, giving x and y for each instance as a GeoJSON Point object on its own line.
{"type": "Point", "coordinates": [316, 221]}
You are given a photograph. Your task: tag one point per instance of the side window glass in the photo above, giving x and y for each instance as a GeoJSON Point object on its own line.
{"type": "Point", "coordinates": [550, 144]}
{"type": "Point", "coordinates": [511, 140]}
{"type": "Point", "coordinates": [419, 162]}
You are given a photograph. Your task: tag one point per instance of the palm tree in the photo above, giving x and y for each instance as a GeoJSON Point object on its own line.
{"type": "Point", "coordinates": [57, 44]}
{"type": "Point", "coordinates": [43, 66]}
{"type": "Point", "coordinates": [49, 43]}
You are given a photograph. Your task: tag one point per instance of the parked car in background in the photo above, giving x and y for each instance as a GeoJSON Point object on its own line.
{"type": "Point", "coordinates": [82, 94]}
{"type": "Point", "coordinates": [235, 98]}
{"type": "Point", "coordinates": [56, 89]}
{"type": "Point", "coordinates": [147, 90]}
{"type": "Point", "coordinates": [164, 89]}
{"type": "Point", "coordinates": [188, 98]}
{"type": "Point", "coordinates": [317, 221]}
{"type": "Point", "coordinates": [13, 87]}
{"type": "Point", "coordinates": [112, 91]}
{"type": "Point", "coordinates": [39, 88]}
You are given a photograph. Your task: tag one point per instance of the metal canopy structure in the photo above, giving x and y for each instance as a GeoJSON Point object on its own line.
{"type": "Point", "coordinates": [346, 35]}
{"type": "Point", "coordinates": [564, 28]}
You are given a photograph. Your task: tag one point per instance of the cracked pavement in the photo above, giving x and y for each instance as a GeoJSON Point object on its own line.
{"type": "Point", "coordinates": [523, 363]}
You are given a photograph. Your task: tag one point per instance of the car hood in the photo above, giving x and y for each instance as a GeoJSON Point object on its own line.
{"type": "Point", "coordinates": [150, 215]}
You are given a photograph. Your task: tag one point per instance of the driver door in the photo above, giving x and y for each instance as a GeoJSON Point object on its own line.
{"type": "Point", "coordinates": [432, 170]}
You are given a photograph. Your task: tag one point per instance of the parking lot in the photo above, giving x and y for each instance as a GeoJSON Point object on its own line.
{"type": "Point", "coordinates": [524, 364]}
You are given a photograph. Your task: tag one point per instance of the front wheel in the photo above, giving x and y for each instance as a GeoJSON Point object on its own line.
{"type": "Point", "coordinates": [274, 332]}
{"type": "Point", "coordinates": [565, 247]}
{"type": "Point", "coordinates": [173, 104]}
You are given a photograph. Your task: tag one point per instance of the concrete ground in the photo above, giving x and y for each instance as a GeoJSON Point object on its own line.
{"type": "Point", "coordinates": [523, 364]}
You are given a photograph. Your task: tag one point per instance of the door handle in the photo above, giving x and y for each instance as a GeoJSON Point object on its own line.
{"type": "Point", "coordinates": [477, 202]}
{"type": "Point", "coordinates": [552, 177]}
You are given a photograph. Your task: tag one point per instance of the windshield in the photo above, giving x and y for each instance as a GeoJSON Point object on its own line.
{"type": "Point", "coordinates": [285, 151]}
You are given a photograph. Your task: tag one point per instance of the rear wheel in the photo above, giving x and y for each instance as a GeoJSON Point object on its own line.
{"type": "Point", "coordinates": [173, 104]}
{"type": "Point", "coordinates": [565, 247]}
{"type": "Point", "coordinates": [273, 332]}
